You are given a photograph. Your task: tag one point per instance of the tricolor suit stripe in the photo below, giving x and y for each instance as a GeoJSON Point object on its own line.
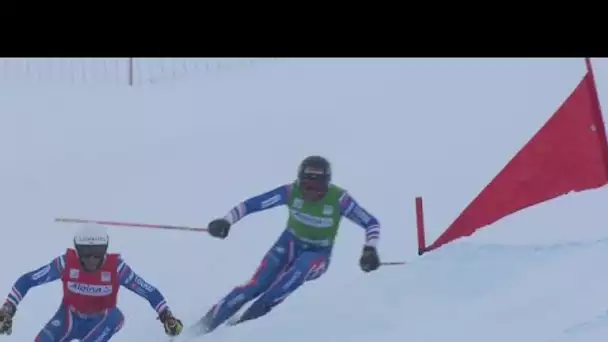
{"type": "Point", "coordinates": [69, 318]}
{"type": "Point", "coordinates": [97, 329]}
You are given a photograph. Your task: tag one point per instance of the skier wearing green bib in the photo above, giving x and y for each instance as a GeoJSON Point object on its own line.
{"type": "Point", "coordinates": [303, 251]}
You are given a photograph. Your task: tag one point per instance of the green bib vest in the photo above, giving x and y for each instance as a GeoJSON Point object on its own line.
{"type": "Point", "coordinates": [316, 222]}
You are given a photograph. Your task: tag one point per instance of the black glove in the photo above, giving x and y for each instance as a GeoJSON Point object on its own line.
{"type": "Point", "coordinates": [369, 259]}
{"type": "Point", "coordinates": [219, 228]}
{"type": "Point", "coordinates": [7, 312]}
{"type": "Point", "coordinates": [173, 326]}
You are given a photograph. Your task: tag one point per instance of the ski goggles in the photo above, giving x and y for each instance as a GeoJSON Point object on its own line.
{"type": "Point", "coordinates": [88, 251]}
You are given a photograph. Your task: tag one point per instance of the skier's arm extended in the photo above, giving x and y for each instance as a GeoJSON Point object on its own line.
{"type": "Point", "coordinates": [43, 275]}
{"type": "Point", "coordinates": [133, 282]}
{"type": "Point", "coordinates": [267, 200]}
{"type": "Point", "coordinates": [350, 209]}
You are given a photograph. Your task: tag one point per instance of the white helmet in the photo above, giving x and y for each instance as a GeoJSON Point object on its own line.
{"type": "Point", "coordinates": [91, 241]}
{"type": "Point", "coordinates": [90, 234]}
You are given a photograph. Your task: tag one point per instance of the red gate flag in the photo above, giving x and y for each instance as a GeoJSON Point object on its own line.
{"type": "Point", "coordinates": [569, 153]}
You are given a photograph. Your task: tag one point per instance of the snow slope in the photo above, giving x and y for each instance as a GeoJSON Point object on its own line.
{"type": "Point", "coordinates": [395, 129]}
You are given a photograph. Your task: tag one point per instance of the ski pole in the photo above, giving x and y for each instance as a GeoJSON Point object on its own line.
{"type": "Point", "coordinates": [131, 224]}
{"type": "Point", "coordinates": [393, 263]}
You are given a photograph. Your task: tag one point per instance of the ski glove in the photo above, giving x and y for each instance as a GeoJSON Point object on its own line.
{"type": "Point", "coordinates": [7, 312]}
{"type": "Point", "coordinates": [369, 259]}
{"type": "Point", "coordinates": [173, 326]}
{"type": "Point", "coordinates": [219, 228]}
